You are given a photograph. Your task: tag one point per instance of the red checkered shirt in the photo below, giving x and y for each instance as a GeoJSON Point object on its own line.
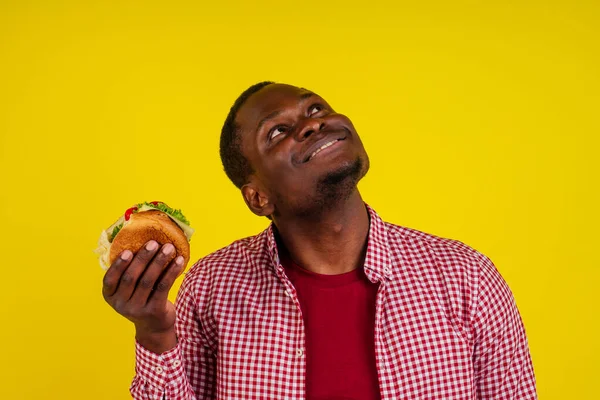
{"type": "Point", "coordinates": [446, 326]}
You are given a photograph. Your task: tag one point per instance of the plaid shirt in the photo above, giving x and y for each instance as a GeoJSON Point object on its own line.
{"type": "Point", "coordinates": [446, 326]}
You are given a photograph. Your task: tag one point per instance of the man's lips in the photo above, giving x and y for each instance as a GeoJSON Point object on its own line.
{"type": "Point", "coordinates": [322, 144]}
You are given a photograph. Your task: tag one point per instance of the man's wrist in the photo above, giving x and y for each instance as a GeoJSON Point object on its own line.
{"type": "Point", "coordinates": [156, 342]}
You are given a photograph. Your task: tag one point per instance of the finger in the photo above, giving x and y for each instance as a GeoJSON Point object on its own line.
{"type": "Point", "coordinates": [161, 289]}
{"type": "Point", "coordinates": [136, 268]}
{"type": "Point", "coordinates": [111, 279]}
{"type": "Point", "coordinates": [151, 274]}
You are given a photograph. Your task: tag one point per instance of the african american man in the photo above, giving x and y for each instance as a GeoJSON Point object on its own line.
{"type": "Point", "coordinates": [329, 302]}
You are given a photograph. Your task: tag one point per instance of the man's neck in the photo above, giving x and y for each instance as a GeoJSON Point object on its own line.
{"type": "Point", "coordinates": [332, 243]}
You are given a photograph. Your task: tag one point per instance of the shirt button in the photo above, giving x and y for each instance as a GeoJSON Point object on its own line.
{"type": "Point", "coordinates": [386, 270]}
{"type": "Point", "coordinates": [288, 293]}
{"type": "Point", "coordinates": [299, 352]}
{"type": "Point", "coordinates": [158, 370]}
{"type": "Point", "coordinates": [176, 363]}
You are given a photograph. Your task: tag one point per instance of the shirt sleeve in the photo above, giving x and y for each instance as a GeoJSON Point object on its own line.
{"type": "Point", "coordinates": [186, 372]}
{"type": "Point", "coordinates": [502, 362]}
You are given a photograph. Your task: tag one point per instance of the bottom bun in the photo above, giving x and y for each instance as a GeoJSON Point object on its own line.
{"type": "Point", "coordinates": [150, 225]}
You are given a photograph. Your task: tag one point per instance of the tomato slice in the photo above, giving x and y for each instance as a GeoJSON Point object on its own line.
{"type": "Point", "coordinates": [135, 208]}
{"type": "Point", "coordinates": [129, 212]}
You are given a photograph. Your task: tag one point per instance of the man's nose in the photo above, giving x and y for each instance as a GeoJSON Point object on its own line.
{"type": "Point", "coordinates": [310, 126]}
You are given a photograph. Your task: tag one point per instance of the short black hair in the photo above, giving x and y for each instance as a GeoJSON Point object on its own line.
{"type": "Point", "coordinates": [235, 164]}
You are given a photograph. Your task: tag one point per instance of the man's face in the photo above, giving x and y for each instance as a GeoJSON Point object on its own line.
{"type": "Point", "coordinates": [300, 149]}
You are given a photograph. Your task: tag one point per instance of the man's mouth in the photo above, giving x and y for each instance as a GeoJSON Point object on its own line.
{"type": "Point", "coordinates": [322, 147]}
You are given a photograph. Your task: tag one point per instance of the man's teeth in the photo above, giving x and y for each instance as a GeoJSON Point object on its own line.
{"type": "Point", "coordinates": [326, 145]}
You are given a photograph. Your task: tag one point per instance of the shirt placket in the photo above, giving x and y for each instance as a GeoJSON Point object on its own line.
{"type": "Point", "coordinates": [299, 342]}
{"type": "Point", "coordinates": [381, 359]}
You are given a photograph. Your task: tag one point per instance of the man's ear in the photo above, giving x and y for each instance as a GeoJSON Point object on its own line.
{"type": "Point", "coordinates": [257, 200]}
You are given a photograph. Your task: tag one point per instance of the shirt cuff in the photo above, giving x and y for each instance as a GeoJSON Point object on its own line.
{"type": "Point", "coordinates": [158, 369]}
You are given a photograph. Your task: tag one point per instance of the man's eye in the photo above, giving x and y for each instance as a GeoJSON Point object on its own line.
{"type": "Point", "coordinates": [276, 131]}
{"type": "Point", "coordinates": [314, 109]}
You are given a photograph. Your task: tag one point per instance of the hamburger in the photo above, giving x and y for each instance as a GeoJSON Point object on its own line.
{"type": "Point", "coordinates": [142, 223]}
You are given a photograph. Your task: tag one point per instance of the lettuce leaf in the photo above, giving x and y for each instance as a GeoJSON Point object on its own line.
{"type": "Point", "coordinates": [175, 213]}
{"type": "Point", "coordinates": [114, 232]}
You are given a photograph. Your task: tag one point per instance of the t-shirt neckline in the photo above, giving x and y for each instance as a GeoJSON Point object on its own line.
{"type": "Point", "coordinates": [322, 280]}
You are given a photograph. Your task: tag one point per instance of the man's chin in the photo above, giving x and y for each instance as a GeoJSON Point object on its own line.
{"type": "Point", "coordinates": [349, 173]}
{"type": "Point", "coordinates": [333, 187]}
{"type": "Point", "coordinates": [339, 184]}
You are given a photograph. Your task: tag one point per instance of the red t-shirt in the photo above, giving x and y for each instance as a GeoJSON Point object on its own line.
{"type": "Point", "coordinates": [339, 318]}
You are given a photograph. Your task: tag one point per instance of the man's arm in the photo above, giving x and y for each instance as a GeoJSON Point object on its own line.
{"type": "Point", "coordinates": [186, 372]}
{"type": "Point", "coordinates": [502, 362]}
{"type": "Point", "coordinates": [137, 287]}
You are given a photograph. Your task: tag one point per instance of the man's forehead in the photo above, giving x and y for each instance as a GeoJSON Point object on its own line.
{"type": "Point", "coordinates": [269, 99]}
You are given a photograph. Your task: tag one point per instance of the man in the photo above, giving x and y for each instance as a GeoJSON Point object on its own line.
{"type": "Point", "coordinates": [329, 302]}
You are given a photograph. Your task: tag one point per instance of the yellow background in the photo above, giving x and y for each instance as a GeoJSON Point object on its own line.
{"type": "Point", "coordinates": [481, 120]}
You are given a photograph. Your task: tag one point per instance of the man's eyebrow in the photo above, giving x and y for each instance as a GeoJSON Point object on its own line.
{"type": "Point", "coordinates": [307, 95]}
{"type": "Point", "coordinates": [267, 118]}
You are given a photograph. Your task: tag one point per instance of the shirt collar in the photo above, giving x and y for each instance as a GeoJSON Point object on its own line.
{"type": "Point", "coordinates": [377, 259]}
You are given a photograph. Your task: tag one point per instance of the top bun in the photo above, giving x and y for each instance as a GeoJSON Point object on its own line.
{"type": "Point", "coordinates": [150, 225]}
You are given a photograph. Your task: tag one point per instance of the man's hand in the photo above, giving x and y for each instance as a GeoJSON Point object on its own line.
{"type": "Point", "coordinates": [138, 288]}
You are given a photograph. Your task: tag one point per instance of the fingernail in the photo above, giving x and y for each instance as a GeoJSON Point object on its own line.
{"type": "Point", "coordinates": [168, 249]}
{"type": "Point", "coordinates": [179, 261]}
{"type": "Point", "coordinates": [126, 255]}
{"type": "Point", "coordinates": [152, 245]}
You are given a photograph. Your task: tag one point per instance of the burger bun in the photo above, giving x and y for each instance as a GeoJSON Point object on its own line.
{"type": "Point", "coordinates": [150, 225]}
